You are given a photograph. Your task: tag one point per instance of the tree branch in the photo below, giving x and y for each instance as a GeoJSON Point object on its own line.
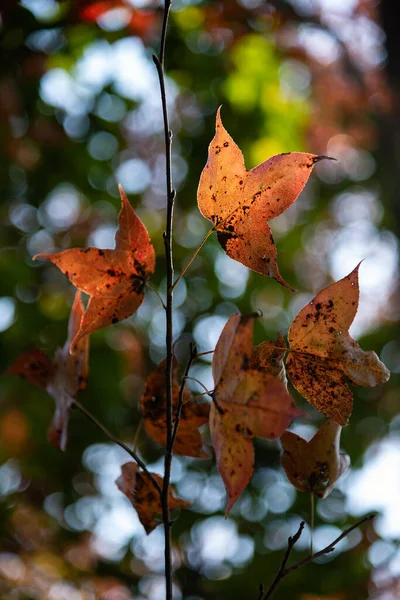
{"type": "Point", "coordinates": [159, 62]}
{"type": "Point", "coordinates": [178, 412]}
{"type": "Point", "coordinates": [114, 439]}
{"type": "Point", "coordinates": [284, 570]}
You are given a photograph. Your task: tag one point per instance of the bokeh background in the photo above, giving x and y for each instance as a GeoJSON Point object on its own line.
{"type": "Point", "coordinates": [79, 112]}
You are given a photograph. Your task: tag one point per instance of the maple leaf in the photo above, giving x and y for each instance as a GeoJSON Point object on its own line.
{"type": "Point", "coordinates": [114, 279]}
{"type": "Point", "coordinates": [315, 466]}
{"type": "Point", "coordinates": [247, 403]}
{"type": "Point", "coordinates": [324, 355]}
{"type": "Point", "coordinates": [188, 441]}
{"type": "Point", "coordinates": [240, 203]}
{"type": "Point", "coordinates": [62, 377]}
{"type": "Point", "coordinates": [144, 496]}
{"type": "Point", "coordinates": [267, 357]}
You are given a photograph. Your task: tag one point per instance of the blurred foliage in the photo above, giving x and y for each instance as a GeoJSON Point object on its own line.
{"type": "Point", "coordinates": [79, 112]}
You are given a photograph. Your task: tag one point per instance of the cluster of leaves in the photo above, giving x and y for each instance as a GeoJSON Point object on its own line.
{"type": "Point", "coordinates": [250, 397]}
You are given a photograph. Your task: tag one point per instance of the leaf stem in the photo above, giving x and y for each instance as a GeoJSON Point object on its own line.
{"type": "Point", "coordinates": [206, 391]}
{"type": "Point", "coordinates": [159, 62]}
{"type": "Point", "coordinates": [284, 570]}
{"type": "Point", "coordinates": [154, 289]}
{"type": "Point", "coordinates": [204, 353]}
{"type": "Point", "coordinates": [191, 259]}
{"type": "Point", "coordinates": [114, 439]}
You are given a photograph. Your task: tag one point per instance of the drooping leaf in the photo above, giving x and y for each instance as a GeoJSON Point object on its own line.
{"type": "Point", "coordinates": [324, 355]}
{"type": "Point", "coordinates": [247, 403]}
{"type": "Point", "coordinates": [240, 203]}
{"type": "Point", "coordinates": [188, 441]}
{"type": "Point", "coordinates": [114, 279]}
{"type": "Point", "coordinates": [269, 358]}
{"type": "Point", "coordinates": [317, 465]}
{"type": "Point", "coordinates": [142, 493]}
{"type": "Point", "coordinates": [62, 377]}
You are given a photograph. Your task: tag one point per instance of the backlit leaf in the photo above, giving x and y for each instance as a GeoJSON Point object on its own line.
{"type": "Point", "coordinates": [324, 355]}
{"type": "Point", "coordinates": [114, 279]}
{"type": "Point", "coordinates": [247, 403]}
{"type": "Point", "coordinates": [317, 465]}
{"type": "Point", "coordinates": [144, 496]}
{"type": "Point", "coordinates": [188, 441]}
{"type": "Point", "coordinates": [240, 203]}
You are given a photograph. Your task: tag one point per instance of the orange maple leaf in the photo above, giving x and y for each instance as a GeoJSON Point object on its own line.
{"type": "Point", "coordinates": [114, 279]}
{"type": "Point", "coordinates": [248, 402]}
{"type": "Point", "coordinates": [317, 465]}
{"type": "Point", "coordinates": [142, 493]}
{"type": "Point", "coordinates": [62, 377]}
{"type": "Point", "coordinates": [188, 441]}
{"type": "Point", "coordinates": [240, 203]}
{"type": "Point", "coordinates": [324, 356]}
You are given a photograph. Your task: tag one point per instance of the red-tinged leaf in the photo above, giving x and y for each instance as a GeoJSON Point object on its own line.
{"type": "Point", "coordinates": [114, 279]}
{"type": "Point", "coordinates": [143, 495]}
{"type": "Point", "coordinates": [188, 441]}
{"type": "Point", "coordinates": [247, 403]}
{"type": "Point", "coordinates": [317, 465]}
{"type": "Point", "coordinates": [70, 376]}
{"type": "Point", "coordinates": [324, 356]}
{"type": "Point", "coordinates": [240, 203]}
{"type": "Point", "coordinates": [234, 454]}
{"type": "Point", "coordinates": [34, 366]}
{"type": "Point", "coordinates": [62, 378]}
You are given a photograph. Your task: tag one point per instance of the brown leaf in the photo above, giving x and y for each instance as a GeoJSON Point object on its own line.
{"type": "Point", "coordinates": [247, 403]}
{"type": "Point", "coordinates": [240, 203]}
{"type": "Point", "coordinates": [114, 279]}
{"type": "Point", "coordinates": [188, 441]}
{"type": "Point", "coordinates": [317, 465]}
{"type": "Point", "coordinates": [62, 377]}
{"type": "Point", "coordinates": [267, 357]}
{"type": "Point", "coordinates": [324, 355]}
{"type": "Point", "coordinates": [34, 366]}
{"type": "Point", "coordinates": [142, 493]}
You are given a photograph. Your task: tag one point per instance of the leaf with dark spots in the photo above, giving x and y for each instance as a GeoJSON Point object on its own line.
{"type": "Point", "coordinates": [107, 275]}
{"type": "Point", "coordinates": [153, 403]}
{"type": "Point", "coordinates": [247, 200]}
{"type": "Point", "coordinates": [315, 466]}
{"type": "Point", "coordinates": [144, 496]}
{"type": "Point", "coordinates": [323, 355]}
{"type": "Point", "coordinates": [248, 402]}
{"type": "Point", "coordinates": [62, 377]}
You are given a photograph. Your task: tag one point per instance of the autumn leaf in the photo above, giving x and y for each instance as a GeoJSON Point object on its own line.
{"type": "Point", "coordinates": [188, 440]}
{"type": "Point", "coordinates": [62, 377]}
{"type": "Point", "coordinates": [240, 203]}
{"type": "Point", "coordinates": [314, 466]}
{"type": "Point", "coordinates": [324, 356]}
{"type": "Point", "coordinates": [267, 357]}
{"type": "Point", "coordinates": [247, 403]}
{"type": "Point", "coordinates": [144, 496]}
{"type": "Point", "coordinates": [114, 279]}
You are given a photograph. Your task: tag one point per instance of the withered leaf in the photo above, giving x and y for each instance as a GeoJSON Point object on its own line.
{"type": "Point", "coordinates": [324, 356]}
{"type": "Point", "coordinates": [317, 465]}
{"type": "Point", "coordinates": [114, 279]}
{"type": "Point", "coordinates": [240, 203]}
{"type": "Point", "coordinates": [247, 403]}
{"type": "Point", "coordinates": [143, 495]}
{"type": "Point", "coordinates": [188, 441]}
{"type": "Point", "coordinates": [62, 377]}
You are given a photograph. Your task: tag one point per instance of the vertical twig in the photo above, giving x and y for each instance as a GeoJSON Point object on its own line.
{"type": "Point", "coordinates": [159, 62]}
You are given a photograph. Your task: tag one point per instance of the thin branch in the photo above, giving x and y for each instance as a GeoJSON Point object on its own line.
{"type": "Point", "coordinates": [178, 412]}
{"type": "Point", "coordinates": [284, 570]}
{"type": "Point", "coordinates": [154, 289]}
{"type": "Point", "coordinates": [206, 391]}
{"type": "Point", "coordinates": [114, 439]}
{"type": "Point", "coordinates": [191, 259]}
{"type": "Point", "coordinates": [281, 573]}
{"type": "Point", "coordinates": [159, 62]}
{"type": "Point", "coordinates": [204, 353]}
